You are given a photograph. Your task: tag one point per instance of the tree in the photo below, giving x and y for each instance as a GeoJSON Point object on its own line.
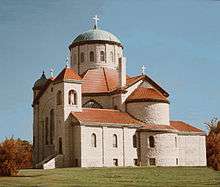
{"type": "Point", "coordinates": [15, 154]}
{"type": "Point", "coordinates": [213, 144]}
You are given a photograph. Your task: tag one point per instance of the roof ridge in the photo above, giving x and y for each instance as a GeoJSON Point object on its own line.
{"type": "Point", "coordinates": [106, 81]}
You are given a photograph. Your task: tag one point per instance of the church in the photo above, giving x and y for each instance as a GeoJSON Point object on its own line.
{"type": "Point", "coordinates": [93, 114]}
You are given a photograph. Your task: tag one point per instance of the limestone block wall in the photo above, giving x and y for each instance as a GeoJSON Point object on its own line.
{"type": "Point", "coordinates": [150, 112]}
{"type": "Point", "coordinates": [165, 151]}
{"type": "Point", "coordinates": [192, 150]}
{"type": "Point", "coordinates": [109, 61]}
{"type": "Point", "coordinates": [104, 153]}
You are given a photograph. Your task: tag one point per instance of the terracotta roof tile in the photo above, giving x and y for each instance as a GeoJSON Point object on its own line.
{"type": "Point", "coordinates": [105, 116]}
{"type": "Point", "coordinates": [67, 74]}
{"type": "Point", "coordinates": [146, 94]}
{"type": "Point", "coordinates": [183, 127]}
{"type": "Point", "coordinates": [158, 127]}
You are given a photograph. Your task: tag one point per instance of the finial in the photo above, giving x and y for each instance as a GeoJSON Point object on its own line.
{"type": "Point", "coordinates": [67, 62]}
{"type": "Point", "coordinates": [51, 72]}
{"type": "Point", "coordinates": [43, 75]}
{"type": "Point", "coordinates": [143, 68]}
{"type": "Point", "coordinates": [96, 19]}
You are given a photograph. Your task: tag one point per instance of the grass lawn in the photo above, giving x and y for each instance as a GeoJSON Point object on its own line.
{"type": "Point", "coordinates": [139, 176]}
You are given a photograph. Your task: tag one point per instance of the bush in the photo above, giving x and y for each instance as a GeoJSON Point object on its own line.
{"type": "Point", "coordinates": [213, 144]}
{"type": "Point", "coordinates": [15, 154]}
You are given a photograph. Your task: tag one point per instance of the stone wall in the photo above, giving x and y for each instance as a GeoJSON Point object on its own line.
{"type": "Point", "coordinates": [164, 151]}
{"type": "Point", "coordinates": [104, 153]}
{"type": "Point", "coordinates": [81, 67]}
{"type": "Point", "coordinates": [150, 112]}
{"type": "Point", "coordinates": [192, 150]}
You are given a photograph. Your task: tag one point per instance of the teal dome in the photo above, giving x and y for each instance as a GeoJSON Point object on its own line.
{"type": "Point", "coordinates": [96, 34]}
{"type": "Point", "coordinates": [40, 82]}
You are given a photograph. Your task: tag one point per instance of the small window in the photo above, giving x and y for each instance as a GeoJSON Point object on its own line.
{"type": "Point", "coordinates": [102, 56]}
{"type": "Point", "coordinates": [82, 57]}
{"type": "Point", "coordinates": [136, 162]}
{"type": "Point", "coordinates": [176, 142]}
{"type": "Point", "coordinates": [60, 146]}
{"type": "Point", "coordinates": [59, 97]}
{"type": "Point", "coordinates": [151, 141]}
{"type": "Point", "coordinates": [152, 162]}
{"type": "Point", "coordinates": [33, 141]}
{"type": "Point", "coordinates": [93, 140]}
{"type": "Point", "coordinates": [51, 89]}
{"type": "Point", "coordinates": [72, 97]}
{"type": "Point", "coordinates": [46, 131]}
{"type": "Point", "coordinates": [134, 141]}
{"type": "Point", "coordinates": [112, 56]}
{"type": "Point", "coordinates": [115, 162]}
{"type": "Point", "coordinates": [177, 161]}
{"type": "Point", "coordinates": [76, 163]}
{"type": "Point", "coordinates": [91, 56]}
{"type": "Point", "coordinates": [115, 141]}
{"type": "Point", "coordinates": [74, 58]}
{"type": "Point", "coordinates": [52, 126]}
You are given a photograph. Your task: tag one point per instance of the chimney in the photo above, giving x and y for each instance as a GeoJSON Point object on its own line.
{"type": "Point", "coordinates": [122, 71]}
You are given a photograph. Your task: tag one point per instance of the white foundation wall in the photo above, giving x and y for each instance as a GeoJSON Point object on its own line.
{"type": "Point", "coordinates": [150, 112]}
{"type": "Point", "coordinates": [192, 150]}
{"type": "Point", "coordinates": [104, 153]}
{"type": "Point", "coordinates": [165, 151]}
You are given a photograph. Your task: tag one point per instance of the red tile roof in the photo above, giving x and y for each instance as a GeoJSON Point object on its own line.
{"type": "Point", "coordinates": [105, 80]}
{"type": "Point", "coordinates": [146, 94]}
{"type": "Point", "coordinates": [108, 116]}
{"type": "Point", "coordinates": [184, 127]}
{"type": "Point", "coordinates": [151, 127]}
{"type": "Point", "coordinates": [102, 80]}
{"type": "Point", "coordinates": [67, 74]}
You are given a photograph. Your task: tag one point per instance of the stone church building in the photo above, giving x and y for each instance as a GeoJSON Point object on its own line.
{"type": "Point", "coordinates": [92, 114]}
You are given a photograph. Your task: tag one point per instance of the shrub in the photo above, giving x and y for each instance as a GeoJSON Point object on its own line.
{"type": "Point", "coordinates": [14, 155]}
{"type": "Point", "coordinates": [213, 144]}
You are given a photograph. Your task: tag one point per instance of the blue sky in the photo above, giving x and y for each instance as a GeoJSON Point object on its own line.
{"type": "Point", "coordinates": [177, 41]}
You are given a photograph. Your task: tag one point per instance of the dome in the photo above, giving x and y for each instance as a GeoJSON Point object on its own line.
{"type": "Point", "coordinates": [40, 82]}
{"type": "Point", "coordinates": [96, 35]}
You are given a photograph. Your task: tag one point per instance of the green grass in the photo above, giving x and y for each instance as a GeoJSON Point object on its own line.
{"type": "Point", "coordinates": [139, 176]}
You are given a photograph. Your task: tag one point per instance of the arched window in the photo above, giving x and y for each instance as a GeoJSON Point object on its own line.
{"type": "Point", "coordinates": [93, 140]}
{"type": "Point", "coordinates": [92, 104]}
{"type": "Point", "coordinates": [112, 56]}
{"type": "Point", "coordinates": [176, 142]}
{"type": "Point", "coordinates": [91, 56]}
{"type": "Point", "coordinates": [151, 141]}
{"type": "Point", "coordinates": [82, 57]}
{"type": "Point", "coordinates": [134, 141]}
{"type": "Point", "coordinates": [102, 56]}
{"type": "Point", "coordinates": [51, 126]}
{"type": "Point", "coordinates": [46, 131]}
{"type": "Point", "coordinates": [60, 146]}
{"type": "Point", "coordinates": [72, 97]}
{"type": "Point", "coordinates": [115, 140]}
{"type": "Point", "coordinates": [59, 98]}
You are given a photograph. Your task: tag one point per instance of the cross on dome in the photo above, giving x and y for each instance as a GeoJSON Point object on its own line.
{"type": "Point", "coordinates": [143, 68]}
{"type": "Point", "coordinates": [96, 19]}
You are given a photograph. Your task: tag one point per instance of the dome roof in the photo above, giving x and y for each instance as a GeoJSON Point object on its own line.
{"type": "Point", "coordinates": [96, 34]}
{"type": "Point", "coordinates": [40, 82]}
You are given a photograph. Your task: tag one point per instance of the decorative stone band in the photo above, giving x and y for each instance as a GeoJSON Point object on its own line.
{"type": "Point", "coordinates": [94, 42]}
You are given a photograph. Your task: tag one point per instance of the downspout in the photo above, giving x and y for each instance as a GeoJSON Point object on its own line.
{"type": "Point", "coordinates": [103, 158]}
{"type": "Point", "coordinates": [123, 146]}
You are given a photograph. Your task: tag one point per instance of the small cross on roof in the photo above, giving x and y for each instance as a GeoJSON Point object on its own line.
{"type": "Point", "coordinates": [96, 19]}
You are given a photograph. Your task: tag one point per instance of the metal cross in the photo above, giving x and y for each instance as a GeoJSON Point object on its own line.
{"type": "Point", "coordinates": [96, 19]}
{"type": "Point", "coordinates": [67, 62]}
{"type": "Point", "coordinates": [143, 68]}
{"type": "Point", "coordinates": [51, 72]}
